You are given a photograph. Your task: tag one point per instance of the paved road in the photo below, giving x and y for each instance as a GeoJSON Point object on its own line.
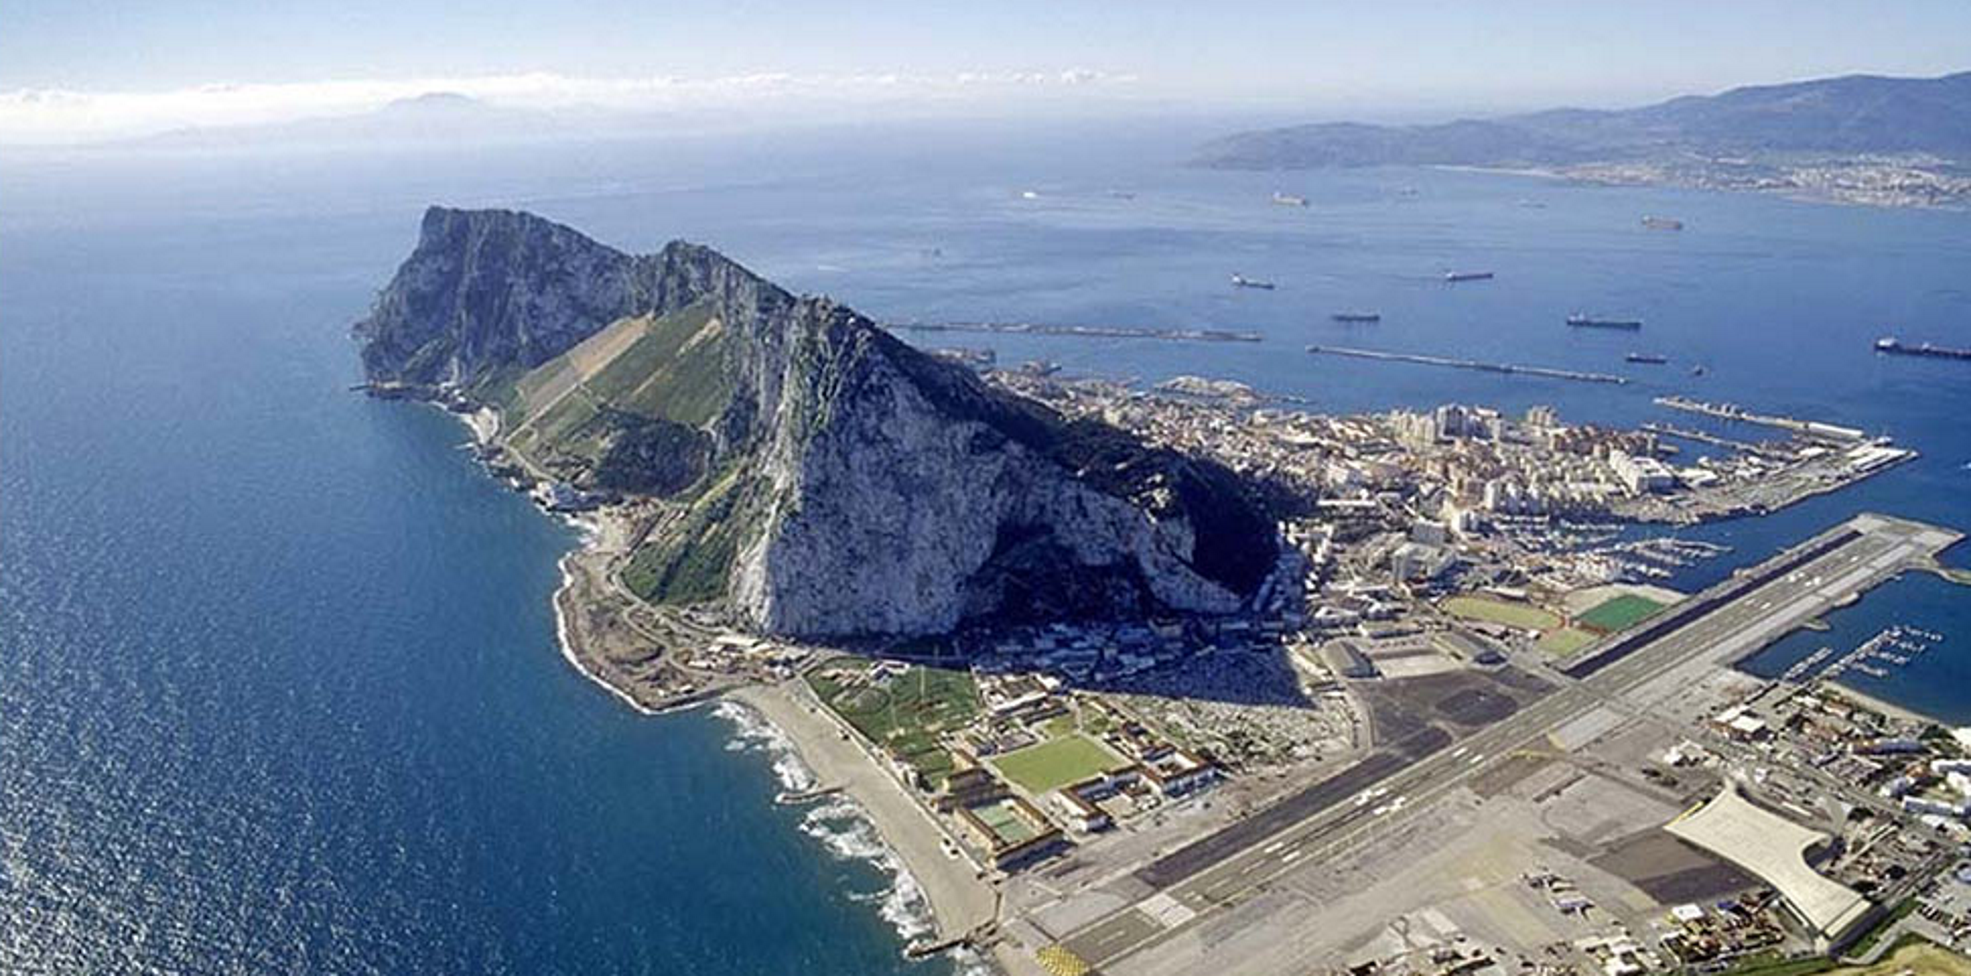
{"type": "Point", "coordinates": [1227, 867]}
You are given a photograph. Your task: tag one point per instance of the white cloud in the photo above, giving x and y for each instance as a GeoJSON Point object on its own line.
{"type": "Point", "coordinates": [57, 115]}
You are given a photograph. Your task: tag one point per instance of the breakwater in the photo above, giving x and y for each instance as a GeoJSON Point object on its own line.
{"type": "Point", "coordinates": [1082, 331]}
{"type": "Point", "coordinates": [1507, 368]}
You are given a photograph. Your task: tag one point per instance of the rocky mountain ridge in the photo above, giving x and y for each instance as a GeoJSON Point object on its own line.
{"type": "Point", "coordinates": [829, 479]}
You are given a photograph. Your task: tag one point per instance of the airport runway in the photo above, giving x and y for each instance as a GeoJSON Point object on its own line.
{"type": "Point", "coordinates": [1758, 606]}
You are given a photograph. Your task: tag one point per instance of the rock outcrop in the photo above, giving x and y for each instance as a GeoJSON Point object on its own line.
{"type": "Point", "coordinates": [846, 483]}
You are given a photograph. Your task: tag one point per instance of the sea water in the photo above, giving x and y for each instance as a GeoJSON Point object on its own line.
{"type": "Point", "coordinates": [278, 683]}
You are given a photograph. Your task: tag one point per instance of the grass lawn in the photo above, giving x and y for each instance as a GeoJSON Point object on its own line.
{"type": "Point", "coordinates": [1766, 964]}
{"type": "Point", "coordinates": [1618, 613]}
{"type": "Point", "coordinates": [1051, 765]}
{"type": "Point", "coordinates": [1565, 641]}
{"type": "Point", "coordinates": [1913, 954]}
{"type": "Point", "coordinates": [1521, 615]}
{"type": "Point", "coordinates": [907, 714]}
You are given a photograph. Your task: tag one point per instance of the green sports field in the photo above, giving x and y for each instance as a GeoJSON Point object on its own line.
{"type": "Point", "coordinates": [1618, 613]}
{"type": "Point", "coordinates": [1565, 640]}
{"type": "Point", "coordinates": [1521, 615]}
{"type": "Point", "coordinates": [1055, 764]}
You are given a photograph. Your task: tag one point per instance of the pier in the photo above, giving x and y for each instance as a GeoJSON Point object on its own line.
{"type": "Point", "coordinates": [1732, 411]}
{"type": "Point", "coordinates": [794, 798]}
{"type": "Point", "coordinates": [1700, 437]}
{"type": "Point", "coordinates": [1082, 331]}
{"type": "Point", "coordinates": [1511, 369]}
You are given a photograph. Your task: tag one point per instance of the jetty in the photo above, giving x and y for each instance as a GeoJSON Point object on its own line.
{"type": "Point", "coordinates": [1513, 369]}
{"type": "Point", "coordinates": [1083, 331]}
{"type": "Point", "coordinates": [1732, 411]}
{"type": "Point", "coordinates": [793, 798]}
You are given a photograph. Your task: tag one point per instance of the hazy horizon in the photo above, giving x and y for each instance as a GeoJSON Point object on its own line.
{"type": "Point", "coordinates": [74, 73]}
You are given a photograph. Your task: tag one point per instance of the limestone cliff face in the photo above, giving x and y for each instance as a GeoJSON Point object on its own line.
{"type": "Point", "coordinates": [856, 485]}
{"type": "Point", "coordinates": [489, 289]}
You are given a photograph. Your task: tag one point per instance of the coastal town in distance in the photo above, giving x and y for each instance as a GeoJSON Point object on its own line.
{"type": "Point", "coordinates": [1461, 721]}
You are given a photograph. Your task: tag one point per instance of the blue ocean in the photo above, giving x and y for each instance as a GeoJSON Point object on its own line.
{"type": "Point", "coordinates": [279, 687]}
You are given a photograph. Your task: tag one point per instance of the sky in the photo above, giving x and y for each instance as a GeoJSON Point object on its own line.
{"type": "Point", "coordinates": [80, 69]}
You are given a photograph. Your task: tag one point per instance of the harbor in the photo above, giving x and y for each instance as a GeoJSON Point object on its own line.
{"type": "Point", "coordinates": [1546, 372]}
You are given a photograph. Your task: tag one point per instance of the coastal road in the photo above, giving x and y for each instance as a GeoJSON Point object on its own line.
{"type": "Point", "coordinates": [1240, 860]}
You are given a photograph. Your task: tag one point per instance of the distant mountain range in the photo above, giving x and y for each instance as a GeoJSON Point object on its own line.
{"type": "Point", "coordinates": [431, 118]}
{"type": "Point", "coordinates": [1892, 140]}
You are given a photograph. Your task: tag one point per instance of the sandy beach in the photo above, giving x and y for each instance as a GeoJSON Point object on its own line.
{"type": "Point", "coordinates": [959, 900]}
{"type": "Point", "coordinates": [599, 640]}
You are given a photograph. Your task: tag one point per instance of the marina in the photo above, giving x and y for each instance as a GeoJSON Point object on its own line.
{"type": "Point", "coordinates": [1890, 648]}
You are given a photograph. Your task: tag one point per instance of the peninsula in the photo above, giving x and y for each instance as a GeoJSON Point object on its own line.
{"type": "Point", "coordinates": [1123, 673]}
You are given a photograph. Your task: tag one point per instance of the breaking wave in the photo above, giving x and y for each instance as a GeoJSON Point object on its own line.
{"type": "Point", "coordinates": [842, 829]}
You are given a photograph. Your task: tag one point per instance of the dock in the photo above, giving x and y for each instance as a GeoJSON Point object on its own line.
{"type": "Point", "coordinates": [1510, 369]}
{"type": "Point", "coordinates": [1732, 411]}
{"type": "Point", "coordinates": [1081, 331]}
{"type": "Point", "coordinates": [792, 798]}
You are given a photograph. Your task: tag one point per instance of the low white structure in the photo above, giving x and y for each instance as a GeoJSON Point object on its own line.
{"type": "Point", "coordinates": [1775, 849]}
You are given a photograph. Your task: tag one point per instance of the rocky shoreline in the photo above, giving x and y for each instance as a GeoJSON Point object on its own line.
{"type": "Point", "coordinates": [598, 644]}
{"type": "Point", "coordinates": [597, 639]}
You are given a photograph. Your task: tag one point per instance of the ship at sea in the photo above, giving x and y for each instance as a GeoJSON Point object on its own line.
{"type": "Point", "coordinates": [1289, 199]}
{"type": "Point", "coordinates": [1896, 347]}
{"type": "Point", "coordinates": [1467, 275]}
{"type": "Point", "coordinates": [1581, 321]}
{"type": "Point", "coordinates": [1357, 316]}
{"type": "Point", "coordinates": [1646, 357]}
{"type": "Point", "coordinates": [1241, 281]}
{"type": "Point", "coordinates": [1663, 223]}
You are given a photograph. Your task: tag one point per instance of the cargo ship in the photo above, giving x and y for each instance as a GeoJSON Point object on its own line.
{"type": "Point", "coordinates": [1241, 281]}
{"type": "Point", "coordinates": [1581, 321]}
{"type": "Point", "coordinates": [1896, 347]}
{"type": "Point", "coordinates": [1289, 199]}
{"type": "Point", "coordinates": [1646, 357]}
{"type": "Point", "coordinates": [1663, 223]}
{"type": "Point", "coordinates": [1467, 275]}
{"type": "Point", "coordinates": [1357, 316]}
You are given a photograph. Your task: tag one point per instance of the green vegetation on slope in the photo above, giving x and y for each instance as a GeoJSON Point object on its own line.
{"type": "Point", "coordinates": [672, 372]}
{"type": "Point", "coordinates": [689, 560]}
{"type": "Point", "coordinates": [574, 412]}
